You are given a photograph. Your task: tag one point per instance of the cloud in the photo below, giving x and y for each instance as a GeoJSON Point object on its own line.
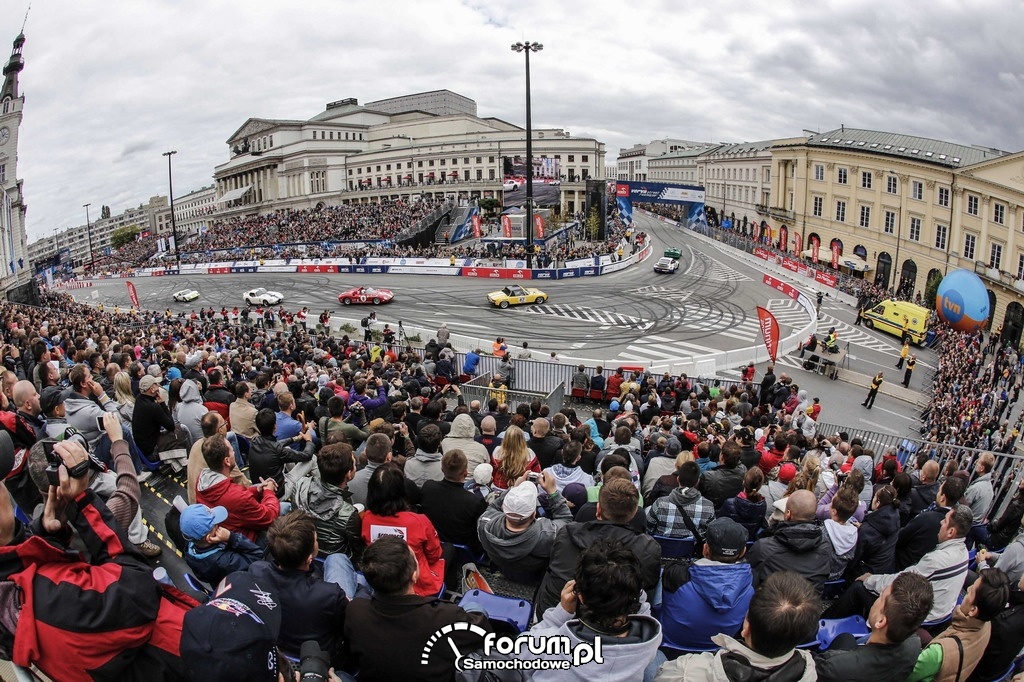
{"type": "Point", "coordinates": [110, 86]}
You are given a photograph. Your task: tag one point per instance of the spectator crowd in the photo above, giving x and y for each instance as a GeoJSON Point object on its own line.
{"type": "Point", "coordinates": [343, 496]}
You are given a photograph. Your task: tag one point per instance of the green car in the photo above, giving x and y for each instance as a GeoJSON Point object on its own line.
{"type": "Point", "coordinates": [673, 253]}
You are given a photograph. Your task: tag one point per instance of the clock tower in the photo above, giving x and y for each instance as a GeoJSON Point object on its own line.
{"type": "Point", "coordinates": [14, 266]}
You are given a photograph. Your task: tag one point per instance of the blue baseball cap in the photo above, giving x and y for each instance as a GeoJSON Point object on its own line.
{"type": "Point", "coordinates": [197, 520]}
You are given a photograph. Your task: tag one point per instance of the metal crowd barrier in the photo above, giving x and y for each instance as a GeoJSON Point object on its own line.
{"type": "Point", "coordinates": [1006, 476]}
{"type": "Point", "coordinates": [479, 389]}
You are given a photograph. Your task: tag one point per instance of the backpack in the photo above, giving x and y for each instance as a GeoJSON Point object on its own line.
{"type": "Point", "coordinates": [365, 322]}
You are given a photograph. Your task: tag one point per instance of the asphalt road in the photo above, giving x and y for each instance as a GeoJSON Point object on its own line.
{"type": "Point", "coordinates": [634, 315]}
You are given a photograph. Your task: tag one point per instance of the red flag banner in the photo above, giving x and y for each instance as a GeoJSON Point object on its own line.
{"type": "Point", "coordinates": [133, 294]}
{"type": "Point", "coordinates": [506, 226]}
{"type": "Point", "coordinates": [798, 239]}
{"type": "Point", "coordinates": [770, 332]}
{"type": "Point", "coordinates": [538, 224]}
{"type": "Point", "coordinates": [476, 226]}
{"type": "Point", "coordinates": [757, 232]}
{"type": "Point", "coordinates": [815, 245]}
{"type": "Point", "coordinates": [835, 255]}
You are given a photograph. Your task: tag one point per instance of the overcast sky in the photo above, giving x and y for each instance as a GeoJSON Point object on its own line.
{"type": "Point", "coordinates": [111, 85]}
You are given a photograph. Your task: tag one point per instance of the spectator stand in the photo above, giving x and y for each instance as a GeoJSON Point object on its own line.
{"type": "Point", "coordinates": [1009, 467]}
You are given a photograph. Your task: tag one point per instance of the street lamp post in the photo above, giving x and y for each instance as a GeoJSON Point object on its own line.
{"type": "Point", "coordinates": [174, 226]}
{"type": "Point", "coordinates": [528, 47]}
{"type": "Point", "coordinates": [88, 232]}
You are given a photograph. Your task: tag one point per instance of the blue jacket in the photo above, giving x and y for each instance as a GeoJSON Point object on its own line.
{"type": "Point", "coordinates": [472, 360]}
{"type": "Point", "coordinates": [703, 600]}
{"type": "Point", "coordinates": [212, 564]}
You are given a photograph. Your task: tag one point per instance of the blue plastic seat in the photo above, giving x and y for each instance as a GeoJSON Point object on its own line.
{"type": "Point", "coordinates": [936, 626]}
{"type": "Point", "coordinates": [833, 588]}
{"type": "Point", "coordinates": [829, 629]}
{"type": "Point", "coordinates": [196, 586]}
{"type": "Point", "coordinates": [675, 548]}
{"type": "Point", "coordinates": [515, 612]}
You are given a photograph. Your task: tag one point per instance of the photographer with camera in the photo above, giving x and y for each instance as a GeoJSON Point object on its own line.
{"type": "Point", "coordinates": [132, 622]}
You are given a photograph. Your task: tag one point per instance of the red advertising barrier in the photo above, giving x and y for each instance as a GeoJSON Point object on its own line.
{"type": "Point", "coordinates": [825, 278]}
{"type": "Point", "coordinates": [218, 271]}
{"type": "Point", "coordinates": [496, 273]}
{"type": "Point", "coordinates": [157, 273]}
{"type": "Point", "coordinates": [779, 285]}
{"type": "Point", "coordinates": [764, 254]}
{"type": "Point", "coordinates": [308, 269]}
{"type": "Point", "coordinates": [790, 264]}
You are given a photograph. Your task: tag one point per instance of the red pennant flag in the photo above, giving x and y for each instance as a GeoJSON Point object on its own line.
{"type": "Point", "coordinates": [770, 332]}
{"type": "Point", "coordinates": [506, 225]}
{"type": "Point", "coordinates": [538, 223]}
{"type": "Point", "coordinates": [815, 245]}
{"type": "Point", "coordinates": [835, 255]}
{"type": "Point", "coordinates": [476, 225]}
{"type": "Point", "coordinates": [133, 294]}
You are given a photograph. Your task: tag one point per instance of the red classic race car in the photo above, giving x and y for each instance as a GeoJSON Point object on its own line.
{"type": "Point", "coordinates": [365, 295]}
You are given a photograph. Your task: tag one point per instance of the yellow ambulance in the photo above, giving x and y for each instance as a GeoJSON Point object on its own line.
{"type": "Point", "coordinates": [900, 318]}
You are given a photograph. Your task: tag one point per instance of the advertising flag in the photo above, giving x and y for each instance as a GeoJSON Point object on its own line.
{"type": "Point", "coordinates": [757, 232]}
{"type": "Point", "coordinates": [799, 243]}
{"type": "Point", "coordinates": [835, 255]}
{"type": "Point", "coordinates": [506, 226]}
{"type": "Point", "coordinates": [476, 225]}
{"type": "Point", "coordinates": [133, 294]}
{"type": "Point", "coordinates": [770, 331]}
{"type": "Point", "coordinates": [538, 224]}
{"type": "Point", "coordinates": [815, 246]}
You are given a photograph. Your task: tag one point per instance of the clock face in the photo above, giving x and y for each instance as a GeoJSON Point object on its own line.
{"type": "Point", "coordinates": [5, 134]}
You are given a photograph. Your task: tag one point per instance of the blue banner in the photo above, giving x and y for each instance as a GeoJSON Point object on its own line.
{"type": "Point", "coordinates": [244, 269]}
{"type": "Point", "coordinates": [687, 197]}
{"type": "Point", "coordinates": [370, 269]}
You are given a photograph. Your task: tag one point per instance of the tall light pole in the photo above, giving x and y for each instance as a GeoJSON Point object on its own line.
{"type": "Point", "coordinates": [528, 47]}
{"type": "Point", "coordinates": [88, 231]}
{"type": "Point", "coordinates": [174, 226]}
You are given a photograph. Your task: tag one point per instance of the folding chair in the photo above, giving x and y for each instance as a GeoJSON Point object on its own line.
{"type": "Point", "coordinates": [514, 612]}
{"type": "Point", "coordinates": [829, 629]}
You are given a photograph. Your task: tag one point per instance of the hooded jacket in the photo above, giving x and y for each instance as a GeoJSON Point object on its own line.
{"type": "Point", "coordinates": [81, 412]}
{"type": "Point", "coordinates": [573, 539]}
{"type": "Point", "coordinates": [338, 526]}
{"type": "Point", "coordinates": [249, 511]}
{"type": "Point", "coordinates": [190, 411]}
{"type": "Point", "coordinates": [423, 467]}
{"type": "Point", "coordinates": [735, 661]}
{"type": "Point", "coordinates": [750, 515]}
{"type": "Point", "coordinates": [721, 483]}
{"type": "Point", "coordinates": [876, 542]}
{"type": "Point", "coordinates": [267, 458]}
{"type": "Point", "coordinates": [664, 516]}
{"type": "Point", "coordinates": [565, 475]}
{"type": "Point", "coordinates": [528, 551]}
{"type": "Point", "coordinates": [866, 466]}
{"type": "Point", "coordinates": [869, 662]}
{"type": "Point", "coordinates": [625, 658]}
{"type": "Point", "coordinates": [702, 600]}
{"type": "Point", "coordinates": [842, 541]}
{"type": "Point", "coordinates": [149, 420]}
{"type": "Point", "coordinates": [796, 546]}
{"type": "Point", "coordinates": [463, 436]}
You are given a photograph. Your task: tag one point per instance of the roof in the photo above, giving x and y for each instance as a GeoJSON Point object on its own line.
{"type": "Point", "coordinates": [689, 152]}
{"type": "Point", "coordinates": [920, 149]}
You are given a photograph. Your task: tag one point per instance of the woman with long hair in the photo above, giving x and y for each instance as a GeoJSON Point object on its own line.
{"type": "Point", "coordinates": [749, 507]}
{"type": "Point", "coordinates": [512, 458]}
{"type": "Point", "coordinates": [388, 512]}
{"type": "Point", "coordinates": [123, 395]}
{"type": "Point", "coordinates": [877, 535]}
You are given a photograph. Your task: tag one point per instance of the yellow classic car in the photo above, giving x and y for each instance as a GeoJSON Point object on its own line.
{"type": "Point", "coordinates": [514, 295]}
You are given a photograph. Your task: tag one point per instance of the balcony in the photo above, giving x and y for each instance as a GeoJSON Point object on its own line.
{"type": "Point", "coordinates": [997, 276]}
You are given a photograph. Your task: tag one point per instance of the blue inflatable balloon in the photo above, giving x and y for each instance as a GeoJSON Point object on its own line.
{"type": "Point", "coordinates": [962, 301]}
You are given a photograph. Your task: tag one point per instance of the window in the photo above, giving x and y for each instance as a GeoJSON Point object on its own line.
{"type": "Point", "coordinates": [1020, 266]}
{"type": "Point", "coordinates": [917, 190]}
{"type": "Point", "coordinates": [842, 176]}
{"type": "Point", "coordinates": [841, 211]}
{"type": "Point", "coordinates": [572, 158]}
{"type": "Point", "coordinates": [465, 160]}
{"type": "Point", "coordinates": [865, 179]}
{"type": "Point", "coordinates": [585, 158]}
{"type": "Point", "coordinates": [890, 184]}
{"type": "Point", "coordinates": [419, 164]}
{"type": "Point", "coordinates": [890, 222]}
{"type": "Point", "coordinates": [3, 173]}
{"type": "Point", "coordinates": [443, 161]}
{"type": "Point", "coordinates": [941, 231]}
{"type": "Point", "coordinates": [995, 256]}
{"type": "Point", "coordinates": [455, 162]}
{"type": "Point", "coordinates": [865, 216]}
{"type": "Point", "coordinates": [998, 213]}
{"type": "Point", "coordinates": [818, 206]}
{"type": "Point", "coordinates": [970, 241]}
{"type": "Point", "coordinates": [944, 196]}
{"type": "Point", "coordinates": [972, 204]}
{"type": "Point", "coordinates": [819, 172]}
{"type": "Point", "coordinates": [915, 230]}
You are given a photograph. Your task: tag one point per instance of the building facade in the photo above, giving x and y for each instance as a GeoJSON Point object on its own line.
{"type": "Point", "coordinates": [14, 265]}
{"type": "Point", "coordinates": [738, 179]}
{"type": "Point", "coordinates": [353, 153]}
{"type": "Point", "coordinates": [193, 213]}
{"type": "Point", "coordinates": [633, 162]}
{"type": "Point", "coordinates": [680, 167]}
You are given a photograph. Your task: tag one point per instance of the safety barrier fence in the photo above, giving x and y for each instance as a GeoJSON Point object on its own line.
{"type": "Point", "coordinates": [479, 388]}
{"type": "Point", "coordinates": [1006, 476]}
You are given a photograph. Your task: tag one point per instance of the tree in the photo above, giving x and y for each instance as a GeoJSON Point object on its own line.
{"type": "Point", "coordinates": [931, 288]}
{"type": "Point", "coordinates": [489, 205]}
{"type": "Point", "coordinates": [123, 235]}
{"type": "Point", "coordinates": [593, 224]}
{"type": "Point", "coordinates": [104, 212]}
